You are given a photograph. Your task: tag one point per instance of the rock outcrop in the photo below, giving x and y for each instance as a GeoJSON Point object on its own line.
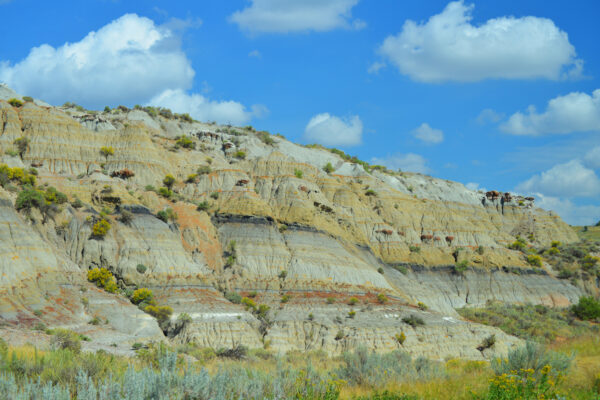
{"type": "Point", "coordinates": [272, 224]}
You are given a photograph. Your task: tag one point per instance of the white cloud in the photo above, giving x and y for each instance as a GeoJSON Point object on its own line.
{"type": "Point", "coordinates": [287, 16]}
{"type": "Point", "coordinates": [475, 187]}
{"type": "Point", "coordinates": [376, 67]}
{"type": "Point", "coordinates": [574, 112]}
{"type": "Point", "coordinates": [330, 130]}
{"type": "Point", "coordinates": [449, 48]}
{"type": "Point", "coordinates": [255, 53]}
{"type": "Point", "coordinates": [429, 135]}
{"type": "Point", "coordinates": [404, 162]}
{"type": "Point", "coordinates": [204, 109]}
{"type": "Point", "coordinates": [129, 60]}
{"type": "Point", "coordinates": [571, 213]}
{"type": "Point", "coordinates": [570, 179]}
{"type": "Point", "coordinates": [592, 158]}
{"type": "Point", "coordinates": [489, 116]}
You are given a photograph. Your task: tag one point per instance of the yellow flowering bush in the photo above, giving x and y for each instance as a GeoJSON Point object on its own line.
{"type": "Point", "coordinates": [100, 228]}
{"type": "Point", "coordinates": [103, 279]}
{"type": "Point", "coordinates": [525, 384]}
{"type": "Point", "coordinates": [140, 295]}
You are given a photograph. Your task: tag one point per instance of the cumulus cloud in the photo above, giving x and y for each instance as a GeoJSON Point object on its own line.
{"type": "Point", "coordinates": [204, 109]}
{"type": "Point", "coordinates": [130, 60]}
{"type": "Point", "coordinates": [574, 214]}
{"type": "Point", "coordinates": [489, 116]}
{"type": "Point", "coordinates": [127, 60]}
{"type": "Point", "coordinates": [288, 16]}
{"type": "Point", "coordinates": [571, 179]}
{"type": "Point", "coordinates": [404, 162]}
{"type": "Point", "coordinates": [592, 158]}
{"type": "Point", "coordinates": [330, 130]}
{"type": "Point", "coordinates": [376, 67]}
{"type": "Point", "coordinates": [448, 47]}
{"type": "Point", "coordinates": [429, 135]}
{"type": "Point", "coordinates": [574, 112]}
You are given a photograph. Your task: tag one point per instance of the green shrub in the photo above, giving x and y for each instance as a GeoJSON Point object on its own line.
{"type": "Point", "coordinates": [413, 320]}
{"type": "Point", "coordinates": [241, 155]}
{"type": "Point", "coordinates": [22, 143]}
{"type": "Point", "coordinates": [422, 306]}
{"type": "Point", "coordinates": [66, 340]}
{"type": "Point", "coordinates": [29, 198]}
{"type": "Point", "coordinates": [328, 168]}
{"type": "Point", "coordinates": [370, 192]}
{"type": "Point", "coordinates": [77, 203]}
{"type": "Point", "coordinates": [169, 181]}
{"type": "Point", "coordinates": [126, 217]}
{"type": "Point", "coordinates": [184, 318]}
{"type": "Point", "coordinates": [28, 99]}
{"type": "Point", "coordinates": [282, 274]}
{"type": "Point", "coordinates": [167, 215]}
{"type": "Point", "coordinates": [414, 249]}
{"type": "Point", "coordinates": [203, 206]}
{"type": "Point", "coordinates": [461, 267]}
{"type": "Point", "coordinates": [382, 298]}
{"type": "Point", "coordinates": [298, 173]}
{"type": "Point", "coordinates": [351, 314]}
{"type": "Point", "coordinates": [487, 343]}
{"type": "Point", "coordinates": [165, 192]}
{"type": "Point", "coordinates": [141, 268]}
{"type": "Point", "coordinates": [285, 298]}
{"type": "Point", "coordinates": [233, 297]}
{"type": "Point", "coordinates": [185, 142]}
{"type": "Point", "coordinates": [535, 260]}
{"type": "Point", "coordinates": [518, 244]}
{"type": "Point", "coordinates": [100, 229]}
{"type": "Point", "coordinates": [214, 195]}
{"type": "Point", "coordinates": [352, 301]}
{"type": "Point", "coordinates": [380, 270]}
{"type": "Point", "coordinates": [587, 308]}
{"type": "Point", "coordinates": [15, 102]}
{"type": "Point", "coordinates": [330, 300]}
{"type": "Point", "coordinates": [265, 138]}
{"type": "Point", "coordinates": [203, 170]}
{"type": "Point", "coordinates": [192, 178]}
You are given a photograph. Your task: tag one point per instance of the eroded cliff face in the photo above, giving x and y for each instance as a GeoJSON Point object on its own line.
{"type": "Point", "coordinates": [277, 225]}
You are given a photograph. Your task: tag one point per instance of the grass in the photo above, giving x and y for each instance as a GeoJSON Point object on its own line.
{"type": "Point", "coordinates": [530, 322]}
{"type": "Point", "coordinates": [359, 374]}
{"type": "Point", "coordinates": [591, 233]}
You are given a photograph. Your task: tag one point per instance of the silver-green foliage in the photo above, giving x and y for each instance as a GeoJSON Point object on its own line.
{"type": "Point", "coordinates": [362, 367]}
{"type": "Point", "coordinates": [531, 356]}
{"type": "Point", "coordinates": [170, 382]}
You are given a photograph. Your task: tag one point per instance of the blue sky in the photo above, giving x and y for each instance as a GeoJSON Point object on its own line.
{"type": "Point", "coordinates": [499, 95]}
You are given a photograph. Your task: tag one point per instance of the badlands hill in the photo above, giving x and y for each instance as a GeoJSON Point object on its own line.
{"type": "Point", "coordinates": [257, 242]}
